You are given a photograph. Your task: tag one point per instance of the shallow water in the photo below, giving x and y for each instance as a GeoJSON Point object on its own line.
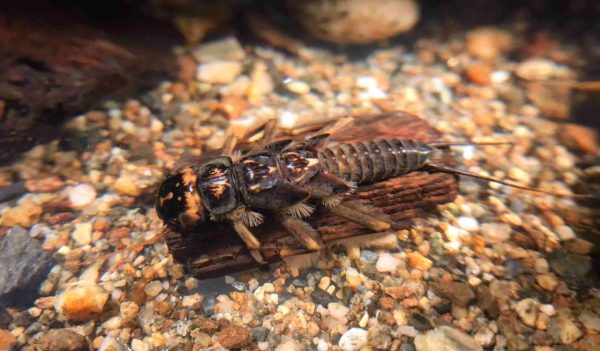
{"type": "Point", "coordinates": [84, 257]}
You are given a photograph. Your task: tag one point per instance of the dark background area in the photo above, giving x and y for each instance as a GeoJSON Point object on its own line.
{"type": "Point", "coordinates": [38, 99]}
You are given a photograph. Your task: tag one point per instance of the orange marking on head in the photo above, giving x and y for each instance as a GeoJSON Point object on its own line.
{"type": "Point", "coordinates": [188, 175]}
{"type": "Point", "coordinates": [165, 198]}
{"type": "Point", "coordinates": [192, 204]}
{"type": "Point", "coordinates": [215, 172]}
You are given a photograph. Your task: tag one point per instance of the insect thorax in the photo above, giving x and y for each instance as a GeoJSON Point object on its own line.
{"type": "Point", "coordinates": [218, 185]}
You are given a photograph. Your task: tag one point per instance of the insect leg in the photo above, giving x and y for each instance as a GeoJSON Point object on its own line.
{"type": "Point", "coordinates": [237, 221]}
{"type": "Point", "coordinates": [361, 215]}
{"type": "Point", "coordinates": [332, 191]}
{"type": "Point", "coordinates": [332, 128]}
{"type": "Point", "coordinates": [263, 136]}
{"type": "Point", "coordinates": [306, 234]}
{"type": "Point", "coordinates": [229, 146]}
{"type": "Point", "coordinates": [368, 210]}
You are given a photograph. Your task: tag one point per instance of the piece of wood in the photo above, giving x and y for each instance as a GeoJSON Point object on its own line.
{"type": "Point", "coordinates": [218, 250]}
{"type": "Point", "coordinates": [55, 64]}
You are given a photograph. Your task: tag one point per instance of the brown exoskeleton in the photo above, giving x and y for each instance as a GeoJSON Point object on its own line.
{"type": "Point", "coordinates": [281, 176]}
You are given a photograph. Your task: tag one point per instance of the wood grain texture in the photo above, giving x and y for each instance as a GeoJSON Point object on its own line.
{"type": "Point", "coordinates": [218, 250]}
{"type": "Point", "coordinates": [56, 63]}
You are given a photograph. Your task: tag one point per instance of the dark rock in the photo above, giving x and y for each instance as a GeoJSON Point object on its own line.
{"type": "Point", "coordinates": [206, 325]}
{"type": "Point", "coordinates": [459, 293]}
{"type": "Point", "coordinates": [513, 268]}
{"type": "Point", "coordinates": [335, 338]}
{"type": "Point", "coordinates": [300, 283]}
{"type": "Point", "coordinates": [420, 322]}
{"type": "Point", "coordinates": [63, 340]}
{"type": "Point", "coordinates": [24, 266]}
{"type": "Point", "coordinates": [443, 307]}
{"type": "Point", "coordinates": [569, 265]}
{"type": "Point", "coordinates": [407, 347]}
{"type": "Point", "coordinates": [259, 334]}
{"type": "Point", "coordinates": [322, 297]}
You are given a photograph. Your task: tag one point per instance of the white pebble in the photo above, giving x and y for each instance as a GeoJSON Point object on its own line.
{"type": "Point", "coordinates": [364, 320]}
{"type": "Point", "coordinates": [298, 87]}
{"type": "Point", "coordinates": [112, 323]}
{"type": "Point", "coordinates": [452, 233]}
{"type": "Point", "coordinates": [565, 233]}
{"type": "Point", "coordinates": [322, 345]}
{"type": "Point", "coordinates": [548, 309]}
{"type": "Point", "coordinates": [81, 195]}
{"type": "Point", "coordinates": [353, 340]}
{"type": "Point", "coordinates": [498, 77]}
{"type": "Point", "coordinates": [387, 263]}
{"type": "Point", "coordinates": [139, 345]}
{"type": "Point", "coordinates": [219, 72]}
{"type": "Point", "coordinates": [468, 223]}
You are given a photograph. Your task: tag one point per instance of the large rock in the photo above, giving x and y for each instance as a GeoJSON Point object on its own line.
{"type": "Point", "coordinates": [24, 266]}
{"type": "Point", "coordinates": [356, 21]}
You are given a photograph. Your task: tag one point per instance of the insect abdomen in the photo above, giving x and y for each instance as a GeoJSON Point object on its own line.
{"type": "Point", "coordinates": [373, 161]}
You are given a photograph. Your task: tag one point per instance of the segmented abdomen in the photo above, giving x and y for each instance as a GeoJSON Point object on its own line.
{"type": "Point", "coordinates": [373, 161]}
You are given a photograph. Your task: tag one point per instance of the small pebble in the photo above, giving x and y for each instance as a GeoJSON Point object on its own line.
{"type": "Point", "coordinates": [127, 186]}
{"type": "Point", "coordinates": [324, 283]}
{"type": "Point", "coordinates": [468, 223]}
{"type": "Point", "coordinates": [565, 233]}
{"type": "Point", "coordinates": [353, 340]}
{"type": "Point", "coordinates": [81, 302]}
{"type": "Point", "coordinates": [62, 339]}
{"type": "Point", "coordinates": [82, 233]}
{"type": "Point", "coordinates": [446, 338]}
{"type": "Point", "coordinates": [153, 288]}
{"type": "Point", "coordinates": [234, 336]}
{"type": "Point", "coordinates": [496, 232]}
{"type": "Point", "coordinates": [387, 263]}
{"type": "Point", "coordinates": [590, 321]}
{"type": "Point", "coordinates": [547, 281]}
{"type": "Point", "coordinates": [218, 72]}
{"type": "Point", "coordinates": [568, 330]}
{"type": "Point", "coordinates": [527, 309]}
{"type": "Point", "coordinates": [416, 260]}
{"type": "Point", "coordinates": [298, 87]}
{"type": "Point", "coordinates": [81, 195]}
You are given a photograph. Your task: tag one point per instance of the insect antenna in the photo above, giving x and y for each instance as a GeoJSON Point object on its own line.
{"type": "Point", "coordinates": [445, 169]}
{"type": "Point", "coordinates": [443, 144]}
